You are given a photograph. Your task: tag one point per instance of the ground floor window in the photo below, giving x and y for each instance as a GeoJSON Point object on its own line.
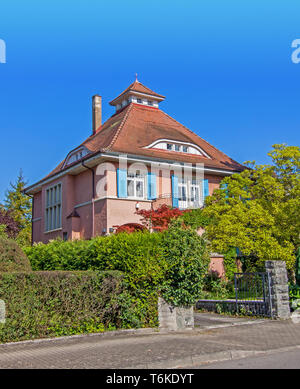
{"type": "Point", "coordinates": [53, 208]}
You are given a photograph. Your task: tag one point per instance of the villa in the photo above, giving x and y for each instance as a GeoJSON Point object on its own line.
{"type": "Point", "coordinates": [139, 158]}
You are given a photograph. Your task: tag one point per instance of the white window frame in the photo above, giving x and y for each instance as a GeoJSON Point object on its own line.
{"type": "Point", "coordinates": [190, 201]}
{"type": "Point", "coordinates": [137, 177]}
{"type": "Point", "coordinates": [53, 208]}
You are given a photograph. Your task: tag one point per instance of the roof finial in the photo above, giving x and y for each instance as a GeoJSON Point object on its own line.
{"type": "Point", "coordinates": [136, 80]}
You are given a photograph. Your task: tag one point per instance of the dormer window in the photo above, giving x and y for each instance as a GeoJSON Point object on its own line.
{"type": "Point", "coordinates": [76, 155]}
{"type": "Point", "coordinates": [179, 147]}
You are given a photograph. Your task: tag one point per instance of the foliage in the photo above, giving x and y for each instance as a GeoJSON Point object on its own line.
{"type": "Point", "coordinates": [129, 227]}
{"type": "Point", "coordinates": [257, 210]}
{"type": "Point", "coordinates": [215, 288]}
{"type": "Point", "coordinates": [8, 224]}
{"type": "Point", "coordinates": [195, 218]}
{"type": "Point", "coordinates": [45, 304]}
{"type": "Point", "coordinates": [298, 266]}
{"type": "Point", "coordinates": [138, 255]}
{"type": "Point", "coordinates": [160, 218]}
{"type": "Point", "coordinates": [173, 262]}
{"type": "Point", "coordinates": [294, 294]}
{"type": "Point", "coordinates": [20, 207]}
{"type": "Point", "coordinates": [12, 258]}
{"type": "Point", "coordinates": [230, 263]}
{"type": "Point", "coordinates": [187, 259]}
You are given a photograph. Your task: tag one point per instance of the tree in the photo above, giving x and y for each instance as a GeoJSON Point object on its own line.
{"type": "Point", "coordinates": [257, 211]}
{"type": "Point", "coordinates": [160, 218]}
{"type": "Point", "coordinates": [20, 207]}
{"type": "Point", "coordinates": [8, 226]}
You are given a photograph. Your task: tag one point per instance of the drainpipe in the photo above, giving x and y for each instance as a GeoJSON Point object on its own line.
{"type": "Point", "coordinates": [93, 197]}
{"type": "Point", "coordinates": [32, 213]}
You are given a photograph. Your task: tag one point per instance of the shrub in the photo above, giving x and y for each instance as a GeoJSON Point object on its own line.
{"type": "Point", "coordinates": [187, 259]}
{"type": "Point", "coordinates": [194, 218]}
{"type": "Point", "coordinates": [45, 304]}
{"type": "Point", "coordinates": [12, 258]}
{"type": "Point", "coordinates": [12, 227]}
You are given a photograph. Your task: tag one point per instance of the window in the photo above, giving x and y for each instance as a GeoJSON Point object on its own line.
{"type": "Point", "coordinates": [189, 194]}
{"type": "Point", "coordinates": [169, 146]}
{"type": "Point", "coordinates": [177, 147]}
{"type": "Point", "coordinates": [139, 101]}
{"type": "Point", "coordinates": [136, 185]}
{"type": "Point", "coordinates": [150, 102]}
{"type": "Point", "coordinates": [185, 149]}
{"type": "Point", "coordinates": [53, 208]}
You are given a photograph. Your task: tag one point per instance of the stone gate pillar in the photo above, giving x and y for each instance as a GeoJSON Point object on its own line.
{"type": "Point", "coordinates": [279, 289]}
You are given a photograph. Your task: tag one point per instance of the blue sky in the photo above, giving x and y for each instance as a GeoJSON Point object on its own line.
{"type": "Point", "coordinates": [224, 66]}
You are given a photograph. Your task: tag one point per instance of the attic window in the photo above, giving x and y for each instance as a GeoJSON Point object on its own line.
{"type": "Point", "coordinates": [76, 156]}
{"type": "Point", "coordinates": [178, 147]}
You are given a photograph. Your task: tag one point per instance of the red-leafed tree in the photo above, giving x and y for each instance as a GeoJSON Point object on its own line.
{"type": "Point", "coordinates": [160, 218]}
{"type": "Point", "coordinates": [12, 227]}
{"type": "Point", "coordinates": [129, 227]}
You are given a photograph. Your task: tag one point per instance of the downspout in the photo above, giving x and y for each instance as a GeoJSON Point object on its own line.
{"type": "Point", "coordinates": [93, 197]}
{"type": "Point", "coordinates": [32, 213]}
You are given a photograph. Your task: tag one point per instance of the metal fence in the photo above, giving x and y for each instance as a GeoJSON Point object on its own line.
{"type": "Point", "coordinates": [252, 293]}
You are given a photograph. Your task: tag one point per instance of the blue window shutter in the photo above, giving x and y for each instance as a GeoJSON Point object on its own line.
{"type": "Point", "coordinates": [205, 189]}
{"type": "Point", "coordinates": [175, 202]}
{"type": "Point", "coordinates": [122, 182]}
{"type": "Point", "coordinates": [225, 187]}
{"type": "Point", "coordinates": [151, 186]}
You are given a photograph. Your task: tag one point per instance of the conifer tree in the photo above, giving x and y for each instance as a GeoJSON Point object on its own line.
{"type": "Point", "coordinates": [20, 207]}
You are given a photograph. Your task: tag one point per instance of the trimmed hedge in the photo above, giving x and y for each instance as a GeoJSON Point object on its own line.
{"type": "Point", "coordinates": [56, 303]}
{"type": "Point", "coordinates": [12, 258]}
{"type": "Point", "coordinates": [172, 263]}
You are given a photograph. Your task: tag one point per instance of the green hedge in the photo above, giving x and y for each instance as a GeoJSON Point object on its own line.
{"type": "Point", "coordinates": [12, 258]}
{"type": "Point", "coordinates": [45, 304]}
{"type": "Point", "coordinates": [173, 262]}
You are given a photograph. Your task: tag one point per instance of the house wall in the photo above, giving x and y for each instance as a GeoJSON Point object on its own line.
{"type": "Point", "coordinates": [109, 210]}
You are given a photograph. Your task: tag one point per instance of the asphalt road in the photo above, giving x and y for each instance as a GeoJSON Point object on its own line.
{"type": "Point", "coordinates": [280, 360]}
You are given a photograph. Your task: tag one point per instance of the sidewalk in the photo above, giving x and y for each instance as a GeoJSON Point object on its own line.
{"type": "Point", "coordinates": [217, 338]}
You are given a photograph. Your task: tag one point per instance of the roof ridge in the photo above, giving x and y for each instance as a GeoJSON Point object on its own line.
{"type": "Point", "coordinates": [193, 133]}
{"type": "Point", "coordinates": [119, 129]}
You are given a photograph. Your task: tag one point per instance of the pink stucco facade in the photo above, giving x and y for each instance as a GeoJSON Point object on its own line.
{"type": "Point", "coordinates": [83, 216]}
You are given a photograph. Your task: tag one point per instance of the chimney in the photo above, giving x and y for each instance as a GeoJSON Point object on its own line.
{"type": "Point", "coordinates": [97, 113]}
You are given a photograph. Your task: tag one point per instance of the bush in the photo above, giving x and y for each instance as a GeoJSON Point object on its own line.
{"type": "Point", "coordinates": [12, 258]}
{"type": "Point", "coordinates": [187, 259]}
{"type": "Point", "coordinates": [194, 218]}
{"type": "Point", "coordinates": [215, 287]}
{"type": "Point", "coordinates": [45, 304]}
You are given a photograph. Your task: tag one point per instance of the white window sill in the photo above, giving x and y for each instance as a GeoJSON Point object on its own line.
{"type": "Point", "coordinates": [49, 232]}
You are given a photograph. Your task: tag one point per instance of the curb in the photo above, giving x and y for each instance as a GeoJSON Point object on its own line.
{"type": "Point", "coordinates": [106, 334]}
{"type": "Point", "coordinates": [203, 359]}
{"type": "Point", "coordinates": [129, 332]}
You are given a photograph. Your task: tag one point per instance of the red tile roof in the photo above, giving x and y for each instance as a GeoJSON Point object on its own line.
{"type": "Point", "coordinates": [135, 127]}
{"type": "Point", "coordinates": [137, 86]}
